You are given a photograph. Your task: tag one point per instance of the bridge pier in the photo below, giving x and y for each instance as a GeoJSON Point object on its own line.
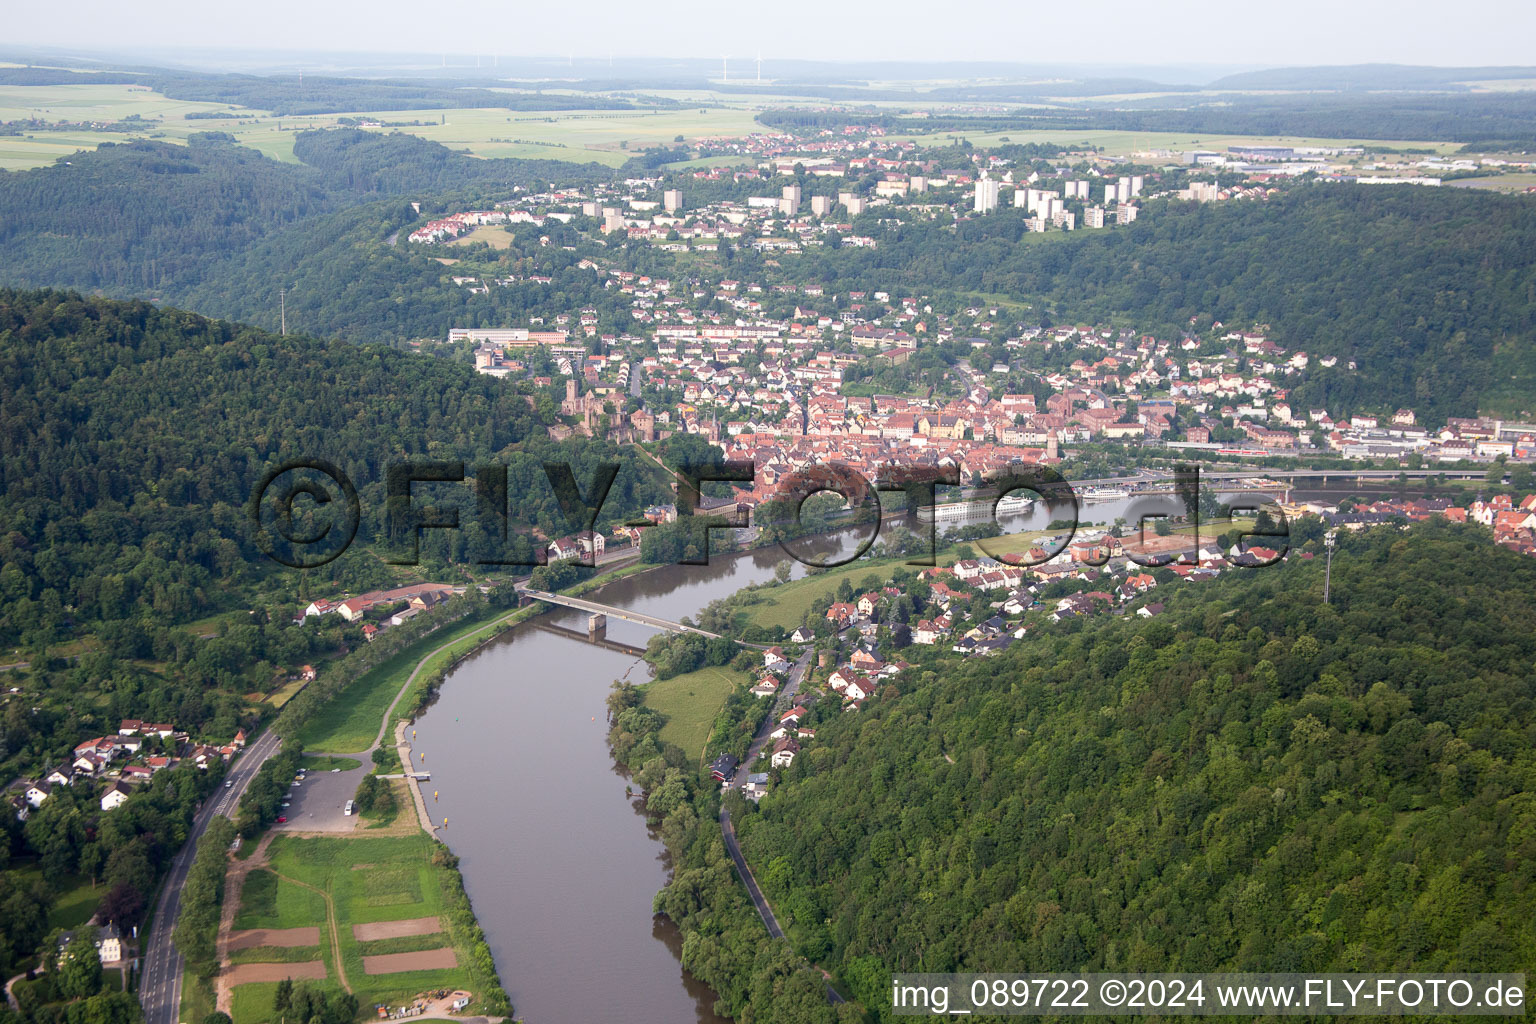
{"type": "Point", "coordinates": [597, 626]}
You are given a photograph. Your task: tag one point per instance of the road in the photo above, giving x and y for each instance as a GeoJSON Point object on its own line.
{"type": "Point", "coordinates": [160, 984]}
{"type": "Point", "coordinates": [728, 831]}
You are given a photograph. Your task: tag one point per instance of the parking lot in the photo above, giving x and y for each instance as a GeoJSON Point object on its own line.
{"type": "Point", "coordinates": [317, 802]}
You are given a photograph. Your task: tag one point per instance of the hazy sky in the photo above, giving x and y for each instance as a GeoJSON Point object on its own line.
{"type": "Point", "coordinates": [1051, 31]}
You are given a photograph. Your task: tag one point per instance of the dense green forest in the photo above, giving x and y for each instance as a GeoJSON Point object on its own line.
{"type": "Point", "coordinates": [132, 439]}
{"type": "Point", "coordinates": [125, 469]}
{"type": "Point", "coordinates": [1252, 781]}
{"type": "Point", "coordinates": [156, 220]}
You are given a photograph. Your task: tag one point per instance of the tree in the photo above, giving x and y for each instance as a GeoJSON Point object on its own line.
{"type": "Point", "coordinates": [79, 967]}
{"type": "Point", "coordinates": [283, 996]}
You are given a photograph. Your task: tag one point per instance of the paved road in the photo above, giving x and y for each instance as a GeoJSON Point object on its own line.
{"type": "Point", "coordinates": [160, 985]}
{"type": "Point", "coordinates": [728, 832]}
{"type": "Point", "coordinates": [758, 900]}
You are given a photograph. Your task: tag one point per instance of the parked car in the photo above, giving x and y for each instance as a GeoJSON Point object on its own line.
{"type": "Point", "coordinates": [281, 819]}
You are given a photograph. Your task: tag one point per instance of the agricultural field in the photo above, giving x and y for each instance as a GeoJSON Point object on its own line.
{"type": "Point", "coordinates": [371, 915]}
{"type": "Point", "coordinates": [1125, 143]}
{"type": "Point", "coordinates": [1499, 182]}
{"type": "Point", "coordinates": [608, 137]}
{"type": "Point", "coordinates": [691, 701]}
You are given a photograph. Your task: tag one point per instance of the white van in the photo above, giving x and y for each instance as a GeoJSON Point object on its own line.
{"type": "Point", "coordinates": [348, 809]}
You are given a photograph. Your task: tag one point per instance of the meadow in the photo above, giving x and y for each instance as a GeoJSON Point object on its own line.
{"type": "Point", "coordinates": [341, 882]}
{"type": "Point", "coordinates": [351, 723]}
{"type": "Point", "coordinates": [691, 701]}
{"type": "Point", "coordinates": [77, 896]}
{"type": "Point", "coordinates": [608, 137]}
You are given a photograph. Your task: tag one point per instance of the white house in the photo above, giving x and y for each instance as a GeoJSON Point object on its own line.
{"type": "Point", "coordinates": [784, 752]}
{"type": "Point", "coordinates": [115, 796]}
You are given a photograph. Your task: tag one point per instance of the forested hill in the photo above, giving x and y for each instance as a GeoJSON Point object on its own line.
{"type": "Point", "coordinates": [402, 164]}
{"type": "Point", "coordinates": [153, 219]}
{"type": "Point", "coordinates": [131, 438]}
{"type": "Point", "coordinates": [1252, 781]}
{"type": "Point", "coordinates": [142, 216]}
{"type": "Point", "coordinates": [1431, 291]}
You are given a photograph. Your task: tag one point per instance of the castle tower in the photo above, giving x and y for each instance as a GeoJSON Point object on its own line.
{"type": "Point", "coordinates": [1052, 448]}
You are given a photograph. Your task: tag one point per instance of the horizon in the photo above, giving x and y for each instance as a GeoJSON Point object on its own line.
{"type": "Point", "coordinates": [1311, 33]}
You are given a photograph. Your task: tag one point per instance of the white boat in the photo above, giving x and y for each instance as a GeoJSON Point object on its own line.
{"type": "Point", "coordinates": [966, 512]}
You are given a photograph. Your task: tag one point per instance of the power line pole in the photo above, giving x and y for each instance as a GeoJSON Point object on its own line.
{"type": "Point", "coordinates": [1330, 539]}
{"type": "Point", "coordinates": [282, 298]}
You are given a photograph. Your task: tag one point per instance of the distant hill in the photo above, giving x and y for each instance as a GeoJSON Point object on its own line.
{"type": "Point", "coordinates": [1368, 76]}
{"type": "Point", "coordinates": [155, 219]}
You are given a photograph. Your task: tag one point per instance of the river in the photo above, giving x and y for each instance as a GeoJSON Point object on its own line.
{"type": "Point", "coordinates": [554, 850]}
{"type": "Point", "coordinates": [556, 855]}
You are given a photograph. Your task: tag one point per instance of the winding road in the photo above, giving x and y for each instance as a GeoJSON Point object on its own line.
{"type": "Point", "coordinates": [728, 831]}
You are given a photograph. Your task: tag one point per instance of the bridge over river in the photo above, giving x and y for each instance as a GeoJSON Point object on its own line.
{"type": "Point", "coordinates": [596, 609]}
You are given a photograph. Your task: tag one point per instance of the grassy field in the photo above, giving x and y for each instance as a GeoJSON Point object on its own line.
{"type": "Point", "coordinates": [603, 136]}
{"type": "Point", "coordinates": [787, 604]}
{"type": "Point", "coordinates": [492, 235]}
{"type": "Point", "coordinates": [373, 879]}
{"type": "Point", "coordinates": [1499, 182]}
{"type": "Point", "coordinates": [77, 897]}
{"type": "Point", "coordinates": [253, 1003]}
{"type": "Point", "coordinates": [351, 722]}
{"type": "Point", "coordinates": [277, 698]}
{"type": "Point", "coordinates": [691, 701]}
{"type": "Point", "coordinates": [325, 764]}
{"type": "Point", "coordinates": [268, 901]}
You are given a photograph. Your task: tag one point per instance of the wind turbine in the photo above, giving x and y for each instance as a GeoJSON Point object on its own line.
{"type": "Point", "coordinates": [759, 67]}
{"type": "Point", "coordinates": [725, 68]}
